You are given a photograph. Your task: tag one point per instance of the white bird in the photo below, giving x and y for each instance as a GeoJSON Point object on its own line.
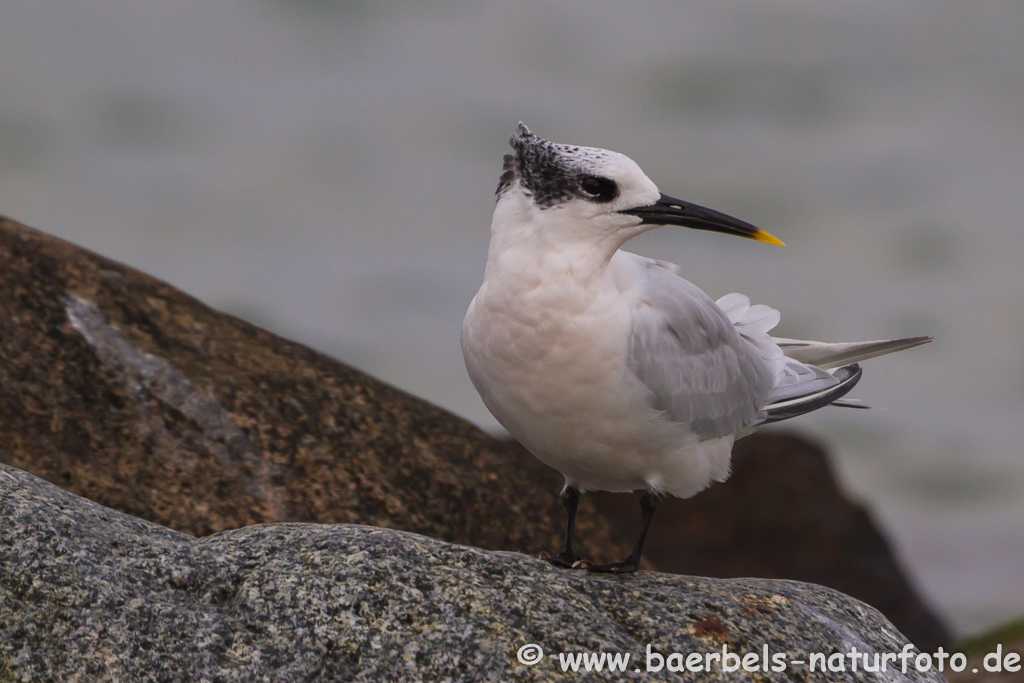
{"type": "Point", "coordinates": [609, 366]}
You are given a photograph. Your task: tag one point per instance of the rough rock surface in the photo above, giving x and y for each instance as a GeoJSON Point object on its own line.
{"type": "Point", "coordinates": [123, 389]}
{"type": "Point", "coordinates": [90, 594]}
{"type": "Point", "coordinates": [782, 515]}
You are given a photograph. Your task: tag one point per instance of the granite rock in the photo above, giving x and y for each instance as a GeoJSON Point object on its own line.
{"type": "Point", "coordinates": [120, 388]}
{"type": "Point", "coordinates": [90, 594]}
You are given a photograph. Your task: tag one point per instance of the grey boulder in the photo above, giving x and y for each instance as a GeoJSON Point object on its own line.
{"type": "Point", "coordinates": [91, 594]}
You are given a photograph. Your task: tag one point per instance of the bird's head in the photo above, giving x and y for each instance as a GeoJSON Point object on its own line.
{"type": "Point", "coordinates": [591, 194]}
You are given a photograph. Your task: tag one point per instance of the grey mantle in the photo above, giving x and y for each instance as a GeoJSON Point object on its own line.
{"type": "Point", "coordinates": [91, 594]}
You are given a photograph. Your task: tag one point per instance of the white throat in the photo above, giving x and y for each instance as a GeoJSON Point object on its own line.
{"type": "Point", "coordinates": [530, 239]}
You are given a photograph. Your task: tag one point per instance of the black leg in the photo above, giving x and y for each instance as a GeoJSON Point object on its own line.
{"type": "Point", "coordinates": [567, 557]}
{"type": "Point", "coordinates": [647, 505]}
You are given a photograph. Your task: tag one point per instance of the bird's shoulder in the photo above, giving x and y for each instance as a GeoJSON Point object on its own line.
{"type": "Point", "coordinates": [660, 298]}
{"type": "Point", "coordinates": [701, 369]}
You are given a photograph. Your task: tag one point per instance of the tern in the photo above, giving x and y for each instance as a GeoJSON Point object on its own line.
{"type": "Point", "coordinates": [609, 366]}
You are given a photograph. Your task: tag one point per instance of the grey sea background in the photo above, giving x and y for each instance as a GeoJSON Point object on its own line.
{"type": "Point", "coordinates": [326, 170]}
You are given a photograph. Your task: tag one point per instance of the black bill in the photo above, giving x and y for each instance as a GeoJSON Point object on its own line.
{"type": "Point", "coordinates": [671, 211]}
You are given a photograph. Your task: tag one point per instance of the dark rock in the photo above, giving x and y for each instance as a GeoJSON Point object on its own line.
{"type": "Point", "coordinates": [87, 593]}
{"type": "Point", "coordinates": [122, 389]}
{"type": "Point", "coordinates": [781, 515]}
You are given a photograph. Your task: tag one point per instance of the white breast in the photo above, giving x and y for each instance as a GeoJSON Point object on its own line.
{"type": "Point", "coordinates": [545, 346]}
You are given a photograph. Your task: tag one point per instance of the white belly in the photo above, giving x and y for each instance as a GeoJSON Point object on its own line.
{"type": "Point", "coordinates": [549, 363]}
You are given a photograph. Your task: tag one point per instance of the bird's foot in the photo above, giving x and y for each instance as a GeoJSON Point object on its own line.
{"type": "Point", "coordinates": [627, 566]}
{"type": "Point", "coordinates": [566, 560]}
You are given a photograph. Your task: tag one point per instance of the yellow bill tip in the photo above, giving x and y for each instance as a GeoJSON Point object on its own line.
{"type": "Point", "coordinates": [762, 236]}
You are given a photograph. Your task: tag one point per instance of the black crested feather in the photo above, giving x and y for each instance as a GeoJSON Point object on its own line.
{"type": "Point", "coordinates": [548, 171]}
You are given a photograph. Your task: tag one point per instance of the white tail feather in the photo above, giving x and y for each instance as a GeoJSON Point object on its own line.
{"type": "Point", "coordinates": [827, 356]}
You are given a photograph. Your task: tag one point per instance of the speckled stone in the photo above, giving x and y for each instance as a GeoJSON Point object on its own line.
{"type": "Point", "coordinates": [90, 594]}
{"type": "Point", "coordinates": [120, 388]}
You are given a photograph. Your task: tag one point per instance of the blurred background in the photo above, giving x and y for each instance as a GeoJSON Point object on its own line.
{"type": "Point", "coordinates": [326, 170]}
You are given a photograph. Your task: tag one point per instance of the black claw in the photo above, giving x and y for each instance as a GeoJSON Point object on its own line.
{"type": "Point", "coordinates": [627, 566]}
{"type": "Point", "coordinates": [562, 559]}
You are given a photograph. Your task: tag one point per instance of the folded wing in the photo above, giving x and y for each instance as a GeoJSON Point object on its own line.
{"type": "Point", "coordinates": [714, 366]}
{"type": "Point", "coordinates": [698, 367]}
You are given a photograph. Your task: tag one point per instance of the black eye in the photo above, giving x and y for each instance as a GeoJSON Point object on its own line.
{"type": "Point", "coordinates": [599, 189]}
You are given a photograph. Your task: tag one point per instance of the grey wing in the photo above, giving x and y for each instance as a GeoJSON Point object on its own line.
{"type": "Point", "coordinates": [686, 351]}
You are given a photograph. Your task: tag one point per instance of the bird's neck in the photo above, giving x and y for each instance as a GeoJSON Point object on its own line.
{"type": "Point", "coordinates": [536, 243]}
